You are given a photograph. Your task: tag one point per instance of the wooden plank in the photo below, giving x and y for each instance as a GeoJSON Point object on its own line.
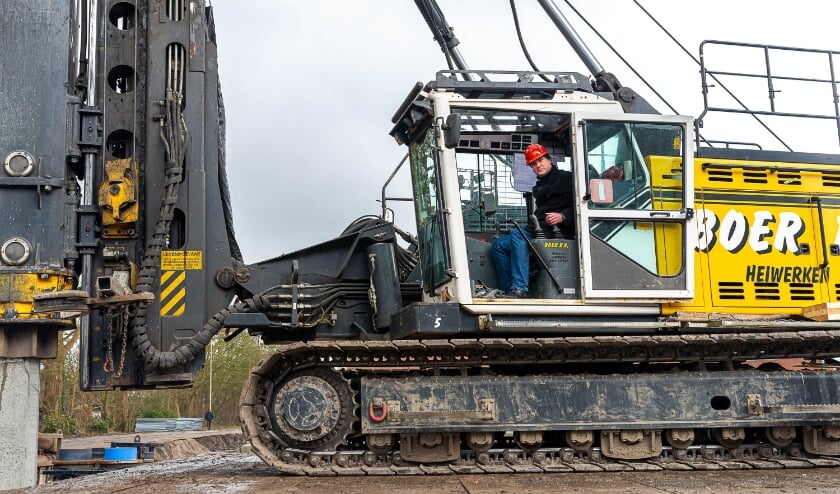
{"type": "Point", "coordinates": [726, 316]}
{"type": "Point", "coordinates": [829, 311]}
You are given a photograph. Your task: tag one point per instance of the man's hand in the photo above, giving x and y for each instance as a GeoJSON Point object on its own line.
{"type": "Point", "coordinates": [554, 218]}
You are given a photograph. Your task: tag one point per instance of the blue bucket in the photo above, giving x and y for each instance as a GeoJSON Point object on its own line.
{"type": "Point", "coordinates": [120, 454]}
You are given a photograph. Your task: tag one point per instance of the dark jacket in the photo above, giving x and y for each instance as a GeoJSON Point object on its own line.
{"type": "Point", "coordinates": [555, 192]}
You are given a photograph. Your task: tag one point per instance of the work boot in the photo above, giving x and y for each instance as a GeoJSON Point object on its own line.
{"type": "Point", "coordinates": [516, 293]}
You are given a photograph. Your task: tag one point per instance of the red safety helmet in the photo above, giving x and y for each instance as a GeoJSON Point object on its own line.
{"type": "Point", "coordinates": [534, 152]}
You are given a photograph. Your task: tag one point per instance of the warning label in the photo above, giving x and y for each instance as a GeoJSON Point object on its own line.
{"type": "Point", "coordinates": [172, 260]}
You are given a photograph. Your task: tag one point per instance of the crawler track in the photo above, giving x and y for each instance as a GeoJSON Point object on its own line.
{"type": "Point", "coordinates": [341, 451]}
{"type": "Point", "coordinates": [360, 462]}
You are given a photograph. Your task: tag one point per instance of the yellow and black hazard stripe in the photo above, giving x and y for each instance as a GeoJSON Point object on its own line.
{"type": "Point", "coordinates": [173, 293]}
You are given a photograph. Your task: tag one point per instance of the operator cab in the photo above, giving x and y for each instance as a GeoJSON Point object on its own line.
{"type": "Point", "coordinates": [633, 200]}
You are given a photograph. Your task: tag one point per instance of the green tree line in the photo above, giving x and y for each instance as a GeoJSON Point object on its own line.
{"type": "Point", "coordinates": [64, 407]}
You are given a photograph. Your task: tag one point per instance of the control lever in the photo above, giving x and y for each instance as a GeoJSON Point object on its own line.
{"type": "Point", "coordinates": [537, 255]}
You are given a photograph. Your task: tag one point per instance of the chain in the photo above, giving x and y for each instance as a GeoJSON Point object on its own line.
{"type": "Point", "coordinates": [108, 366]}
{"type": "Point", "coordinates": [125, 316]}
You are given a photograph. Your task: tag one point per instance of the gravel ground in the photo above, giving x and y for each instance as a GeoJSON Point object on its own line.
{"type": "Point", "coordinates": [231, 472]}
{"type": "Point", "coordinates": [197, 470]}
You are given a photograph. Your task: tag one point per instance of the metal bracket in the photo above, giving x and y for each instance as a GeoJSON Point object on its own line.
{"type": "Point", "coordinates": [90, 133]}
{"type": "Point", "coordinates": [754, 405]}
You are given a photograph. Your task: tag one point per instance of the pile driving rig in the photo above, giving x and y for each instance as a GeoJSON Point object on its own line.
{"type": "Point", "coordinates": [651, 339]}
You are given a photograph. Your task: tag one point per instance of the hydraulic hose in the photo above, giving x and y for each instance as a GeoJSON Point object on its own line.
{"type": "Point", "coordinates": [174, 135]}
{"type": "Point", "coordinates": [406, 258]}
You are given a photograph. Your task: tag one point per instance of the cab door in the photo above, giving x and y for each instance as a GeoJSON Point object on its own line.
{"type": "Point", "coordinates": [635, 191]}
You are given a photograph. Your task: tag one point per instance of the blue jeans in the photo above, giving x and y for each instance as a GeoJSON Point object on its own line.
{"type": "Point", "coordinates": [510, 255]}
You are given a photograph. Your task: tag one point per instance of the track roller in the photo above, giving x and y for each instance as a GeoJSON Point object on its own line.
{"type": "Point", "coordinates": [529, 440]}
{"type": "Point", "coordinates": [380, 443]}
{"type": "Point", "coordinates": [780, 436]}
{"type": "Point", "coordinates": [480, 442]}
{"type": "Point", "coordinates": [730, 437]}
{"type": "Point", "coordinates": [679, 438]}
{"type": "Point", "coordinates": [580, 440]}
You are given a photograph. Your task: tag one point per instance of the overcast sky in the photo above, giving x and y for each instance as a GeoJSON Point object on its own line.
{"type": "Point", "coordinates": [310, 87]}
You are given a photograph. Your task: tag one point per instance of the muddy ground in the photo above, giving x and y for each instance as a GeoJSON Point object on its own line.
{"type": "Point", "coordinates": [195, 468]}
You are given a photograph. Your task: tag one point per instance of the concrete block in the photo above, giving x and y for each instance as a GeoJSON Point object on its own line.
{"type": "Point", "coordinates": [20, 386]}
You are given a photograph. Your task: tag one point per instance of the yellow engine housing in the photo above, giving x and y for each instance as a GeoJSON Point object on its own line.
{"type": "Point", "coordinates": [767, 236]}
